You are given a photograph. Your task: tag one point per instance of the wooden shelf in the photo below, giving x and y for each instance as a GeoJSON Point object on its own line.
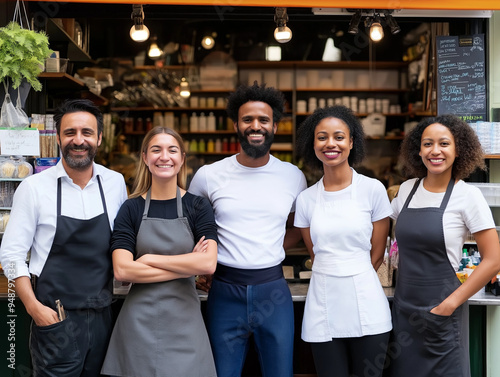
{"type": "Point", "coordinates": [59, 81]}
{"type": "Point", "coordinates": [321, 64]}
{"type": "Point", "coordinates": [74, 52]}
{"type": "Point", "coordinates": [152, 108]}
{"type": "Point", "coordinates": [357, 90]}
{"type": "Point", "coordinates": [492, 156]}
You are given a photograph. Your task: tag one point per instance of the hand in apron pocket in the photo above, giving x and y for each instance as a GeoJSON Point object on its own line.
{"type": "Point", "coordinates": [441, 332]}
{"type": "Point", "coordinates": [56, 348]}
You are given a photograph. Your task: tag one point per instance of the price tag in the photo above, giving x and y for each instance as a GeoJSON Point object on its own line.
{"type": "Point", "coordinates": [20, 142]}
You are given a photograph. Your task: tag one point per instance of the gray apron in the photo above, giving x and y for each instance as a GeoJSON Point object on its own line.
{"type": "Point", "coordinates": [426, 344]}
{"type": "Point", "coordinates": [160, 329]}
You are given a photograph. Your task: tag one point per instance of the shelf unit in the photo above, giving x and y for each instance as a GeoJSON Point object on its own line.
{"type": "Point", "coordinates": [293, 90]}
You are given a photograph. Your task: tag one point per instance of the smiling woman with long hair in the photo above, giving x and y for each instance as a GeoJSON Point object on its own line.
{"type": "Point", "coordinates": [163, 236]}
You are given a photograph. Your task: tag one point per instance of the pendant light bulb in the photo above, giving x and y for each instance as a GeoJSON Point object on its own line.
{"type": "Point", "coordinates": [376, 31]}
{"type": "Point", "coordinates": [282, 34]}
{"type": "Point", "coordinates": [139, 33]}
{"type": "Point", "coordinates": [154, 51]}
{"type": "Point", "coordinates": [208, 42]}
{"type": "Point", "coordinates": [185, 92]}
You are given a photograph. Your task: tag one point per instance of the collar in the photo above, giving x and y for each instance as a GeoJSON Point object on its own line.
{"type": "Point", "coordinates": [61, 172]}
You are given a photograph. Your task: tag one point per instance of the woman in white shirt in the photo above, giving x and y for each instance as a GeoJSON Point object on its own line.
{"type": "Point", "coordinates": [434, 211]}
{"type": "Point", "coordinates": [344, 220]}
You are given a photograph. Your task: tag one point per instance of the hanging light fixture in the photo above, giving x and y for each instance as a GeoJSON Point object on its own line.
{"type": "Point", "coordinates": [391, 22]}
{"type": "Point", "coordinates": [208, 41]}
{"type": "Point", "coordinates": [354, 24]}
{"type": "Point", "coordinates": [282, 33]}
{"type": "Point", "coordinates": [376, 30]}
{"type": "Point", "coordinates": [185, 91]}
{"type": "Point", "coordinates": [138, 32]}
{"type": "Point", "coordinates": [154, 51]}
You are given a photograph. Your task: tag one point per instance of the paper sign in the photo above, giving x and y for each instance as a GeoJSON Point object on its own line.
{"type": "Point", "coordinates": [20, 142]}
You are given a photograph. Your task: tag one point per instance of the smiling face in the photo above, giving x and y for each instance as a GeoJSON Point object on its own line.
{"type": "Point", "coordinates": [255, 128]}
{"type": "Point", "coordinates": [164, 157]}
{"type": "Point", "coordinates": [437, 149]}
{"type": "Point", "coordinates": [332, 142]}
{"type": "Point", "coordinates": [78, 140]}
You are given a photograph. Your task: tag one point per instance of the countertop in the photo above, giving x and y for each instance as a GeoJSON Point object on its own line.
{"type": "Point", "coordinates": [299, 291]}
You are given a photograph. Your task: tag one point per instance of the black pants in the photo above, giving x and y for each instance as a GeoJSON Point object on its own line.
{"type": "Point", "coordinates": [74, 347]}
{"type": "Point", "coordinates": [351, 357]}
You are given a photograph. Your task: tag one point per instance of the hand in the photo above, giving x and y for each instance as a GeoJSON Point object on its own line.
{"type": "Point", "coordinates": [44, 316]}
{"type": "Point", "coordinates": [201, 246]}
{"type": "Point", "coordinates": [204, 282]}
{"type": "Point", "coordinates": [442, 310]}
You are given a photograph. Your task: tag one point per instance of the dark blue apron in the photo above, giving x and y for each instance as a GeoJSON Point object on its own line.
{"type": "Point", "coordinates": [78, 271]}
{"type": "Point", "coordinates": [426, 344]}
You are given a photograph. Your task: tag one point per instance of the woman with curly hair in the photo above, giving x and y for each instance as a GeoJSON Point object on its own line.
{"type": "Point", "coordinates": [344, 221]}
{"type": "Point", "coordinates": [434, 211]}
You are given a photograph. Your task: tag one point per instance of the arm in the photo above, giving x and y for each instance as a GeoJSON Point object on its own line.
{"type": "Point", "coordinates": [489, 248]}
{"type": "Point", "coordinates": [379, 241]}
{"type": "Point", "coordinates": [293, 234]}
{"type": "Point", "coordinates": [202, 261]}
{"type": "Point", "coordinates": [41, 314]}
{"type": "Point", "coordinates": [306, 236]}
{"type": "Point", "coordinates": [126, 269]}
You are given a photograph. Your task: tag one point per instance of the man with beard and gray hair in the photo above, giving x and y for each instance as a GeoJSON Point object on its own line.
{"type": "Point", "coordinates": [64, 215]}
{"type": "Point", "coordinates": [253, 195]}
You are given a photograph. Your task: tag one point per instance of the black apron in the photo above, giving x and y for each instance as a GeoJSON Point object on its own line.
{"type": "Point", "coordinates": [78, 272]}
{"type": "Point", "coordinates": [426, 344]}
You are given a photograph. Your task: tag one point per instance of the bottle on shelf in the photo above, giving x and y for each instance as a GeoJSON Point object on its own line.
{"type": "Point", "coordinates": [211, 122]}
{"type": "Point", "coordinates": [149, 124]}
{"type": "Point", "coordinates": [202, 123]}
{"type": "Point", "coordinates": [225, 145]}
{"type": "Point", "coordinates": [233, 144]}
{"type": "Point", "coordinates": [210, 146]}
{"type": "Point", "coordinates": [193, 123]}
{"type": "Point", "coordinates": [193, 146]}
{"type": "Point", "coordinates": [218, 145]}
{"type": "Point", "coordinates": [184, 123]}
{"type": "Point", "coordinates": [202, 146]}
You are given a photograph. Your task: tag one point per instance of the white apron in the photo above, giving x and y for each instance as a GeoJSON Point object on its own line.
{"type": "Point", "coordinates": [345, 297]}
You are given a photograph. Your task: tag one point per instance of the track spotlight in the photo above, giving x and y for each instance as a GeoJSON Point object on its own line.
{"type": "Point", "coordinates": [282, 33]}
{"type": "Point", "coordinates": [376, 30]}
{"type": "Point", "coordinates": [354, 24]}
{"type": "Point", "coordinates": [138, 32]}
{"type": "Point", "coordinates": [391, 22]}
{"type": "Point", "coordinates": [185, 91]}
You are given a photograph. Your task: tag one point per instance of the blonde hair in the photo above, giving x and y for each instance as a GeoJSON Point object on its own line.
{"type": "Point", "coordinates": [143, 179]}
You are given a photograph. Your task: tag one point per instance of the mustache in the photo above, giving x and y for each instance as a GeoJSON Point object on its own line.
{"type": "Point", "coordinates": [72, 146]}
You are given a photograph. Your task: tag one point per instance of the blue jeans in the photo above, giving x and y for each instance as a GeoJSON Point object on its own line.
{"type": "Point", "coordinates": [236, 312]}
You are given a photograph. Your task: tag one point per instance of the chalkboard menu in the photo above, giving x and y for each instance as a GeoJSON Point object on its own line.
{"type": "Point", "coordinates": [461, 77]}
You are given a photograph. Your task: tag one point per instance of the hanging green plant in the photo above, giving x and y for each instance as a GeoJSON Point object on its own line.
{"type": "Point", "coordinates": [22, 55]}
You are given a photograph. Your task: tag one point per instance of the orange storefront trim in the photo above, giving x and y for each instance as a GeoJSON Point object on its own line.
{"type": "Point", "coordinates": [361, 4]}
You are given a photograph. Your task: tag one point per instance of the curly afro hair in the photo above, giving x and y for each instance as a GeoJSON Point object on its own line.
{"type": "Point", "coordinates": [245, 93]}
{"type": "Point", "coordinates": [305, 135]}
{"type": "Point", "coordinates": [469, 153]}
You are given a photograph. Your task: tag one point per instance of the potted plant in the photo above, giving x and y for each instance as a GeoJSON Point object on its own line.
{"type": "Point", "coordinates": [22, 57]}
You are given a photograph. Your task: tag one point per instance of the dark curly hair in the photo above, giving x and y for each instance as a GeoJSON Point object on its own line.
{"type": "Point", "coordinates": [469, 153]}
{"type": "Point", "coordinates": [305, 135]}
{"type": "Point", "coordinates": [245, 93]}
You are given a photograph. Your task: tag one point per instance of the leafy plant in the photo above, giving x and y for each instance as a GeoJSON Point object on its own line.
{"type": "Point", "coordinates": [22, 54]}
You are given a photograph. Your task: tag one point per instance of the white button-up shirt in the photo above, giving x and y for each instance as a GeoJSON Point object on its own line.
{"type": "Point", "coordinates": [33, 218]}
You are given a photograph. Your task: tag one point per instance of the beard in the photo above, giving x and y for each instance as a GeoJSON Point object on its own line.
{"type": "Point", "coordinates": [79, 163]}
{"type": "Point", "coordinates": [255, 150]}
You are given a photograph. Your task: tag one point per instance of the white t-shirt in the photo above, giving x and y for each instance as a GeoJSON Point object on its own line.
{"type": "Point", "coordinates": [251, 207]}
{"type": "Point", "coordinates": [466, 210]}
{"type": "Point", "coordinates": [349, 252]}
